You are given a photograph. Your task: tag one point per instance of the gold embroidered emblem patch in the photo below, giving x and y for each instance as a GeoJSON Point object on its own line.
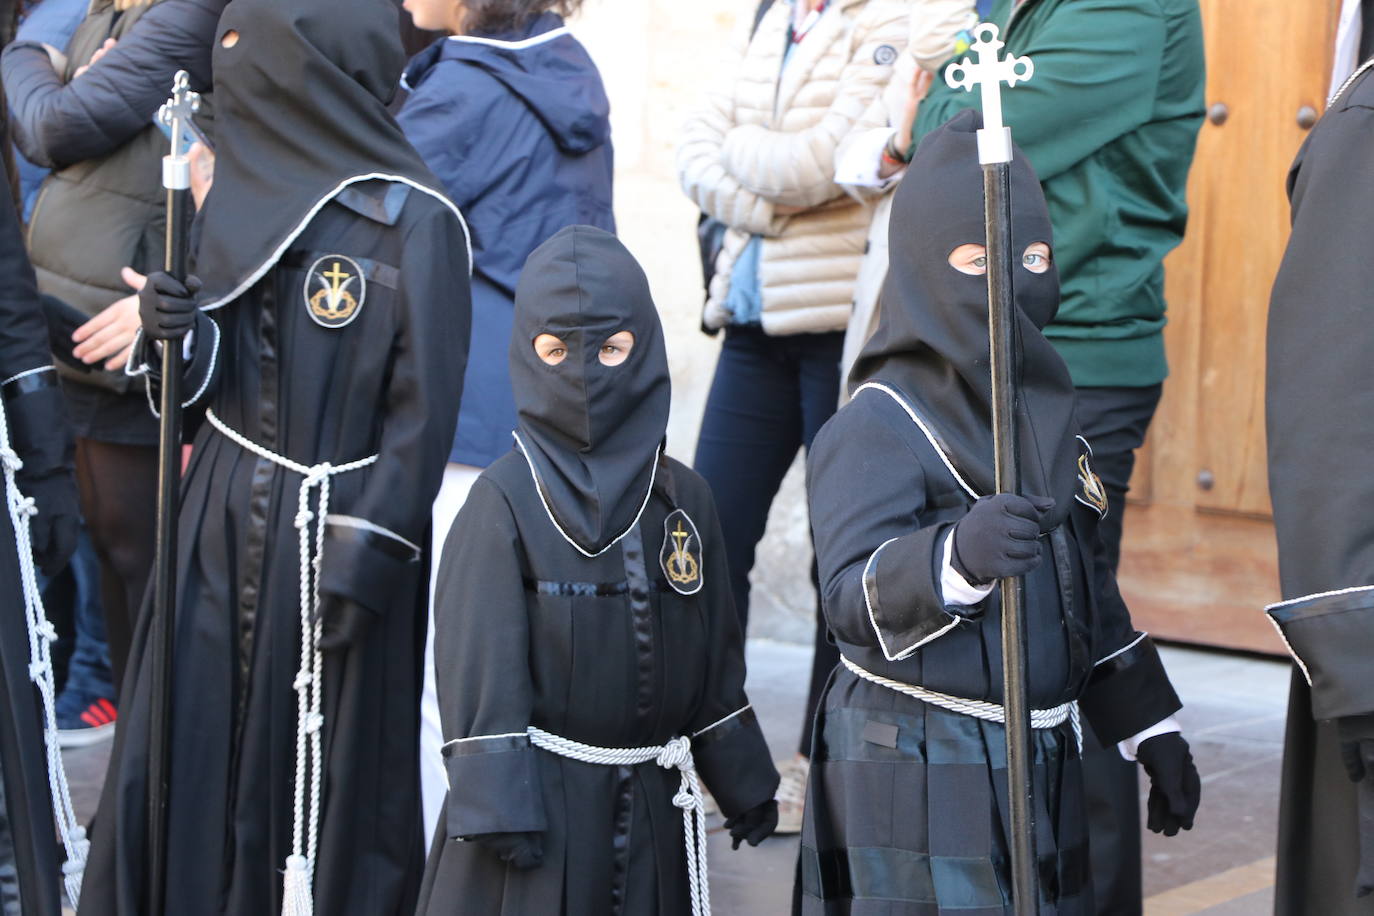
{"type": "Point", "coordinates": [334, 290]}
{"type": "Point", "coordinates": [1092, 494]}
{"type": "Point", "coordinates": [680, 556]}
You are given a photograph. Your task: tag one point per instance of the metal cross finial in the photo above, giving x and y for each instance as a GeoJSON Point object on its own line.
{"type": "Point", "coordinates": [177, 114]}
{"type": "Point", "coordinates": [994, 140]}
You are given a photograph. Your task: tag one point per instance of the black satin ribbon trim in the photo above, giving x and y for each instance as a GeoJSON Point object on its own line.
{"type": "Point", "coordinates": [384, 208]}
{"type": "Point", "coordinates": [586, 589]}
{"type": "Point", "coordinates": [952, 882]}
{"type": "Point", "coordinates": [1072, 609]}
{"type": "Point", "coordinates": [731, 726]}
{"type": "Point", "coordinates": [498, 744]}
{"type": "Point", "coordinates": [28, 384]}
{"type": "Point", "coordinates": [348, 534]}
{"type": "Point", "coordinates": [620, 838]}
{"type": "Point", "coordinates": [641, 619]}
{"type": "Point", "coordinates": [376, 272]}
{"type": "Point", "coordinates": [1145, 649]}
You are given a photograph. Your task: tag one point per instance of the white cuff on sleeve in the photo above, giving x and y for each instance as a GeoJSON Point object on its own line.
{"type": "Point", "coordinates": [954, 588]}
{"type": "Point", "coordinates": [1132, 744]}
{"type": "Point", "coordinates": [863, 159]}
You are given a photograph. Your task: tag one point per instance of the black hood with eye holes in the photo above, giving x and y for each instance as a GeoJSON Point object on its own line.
{"type": "Point", "coordinates": [300, 109]}
{"type": "Point", "coordinates": [932, 337]}
{"type": "Point", "coordinates": [590, 432]}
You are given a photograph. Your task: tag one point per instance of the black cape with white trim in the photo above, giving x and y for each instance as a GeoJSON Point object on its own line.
{"type": "Point", "coordinates": [300, 114]}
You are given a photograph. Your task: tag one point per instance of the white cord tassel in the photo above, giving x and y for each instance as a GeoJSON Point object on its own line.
{"type": "Point", "coordinates": [296, 895]}
{"type": "Point", "coordinates": [676, 754]}
{"type": "Point", "coordinates": [41, 635]}
{"type": "Point", "coordinates": [299, 879]}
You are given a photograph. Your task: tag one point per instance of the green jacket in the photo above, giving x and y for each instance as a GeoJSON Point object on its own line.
{"type": "Point", "coordinates": [1110, 121]}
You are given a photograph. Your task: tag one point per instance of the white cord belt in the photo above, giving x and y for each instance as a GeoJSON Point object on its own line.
{"type": "Point", "coordinates": [41, 635]}
{"type": "Point", "coordinates": [676, 754]}
{"type": "Point", "coordinates": [297, 896]}
{"type": "Point", "coordinates": [978, 709]}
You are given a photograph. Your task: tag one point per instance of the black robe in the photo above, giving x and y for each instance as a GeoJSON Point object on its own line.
{"type": "Point", "coordinates": [387, 383]}
{"type": "Point", "coordinates": [529, 631]}
{"type": "Point", "coordinates": [882, 497]}
{"type": "Point", "coordinates": [1320, 404]}
{"type": "Point", "coordinates": [33, 409]}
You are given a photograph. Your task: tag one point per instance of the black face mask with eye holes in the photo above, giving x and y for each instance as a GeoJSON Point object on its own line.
{"type": "Point", "coordinates": [590, 432]}
{"type": "Point", "coordinates": [932, 337]}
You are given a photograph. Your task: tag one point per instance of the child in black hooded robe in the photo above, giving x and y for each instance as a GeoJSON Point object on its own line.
{"type": "Point", "coordinates": [907, 808]}
{"type": "Point", "coordinates": [583, 598]}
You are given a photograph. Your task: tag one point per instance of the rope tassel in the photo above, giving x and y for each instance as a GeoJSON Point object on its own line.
{"type": "Point", "coordinates": [299, 875]}
{"type": "Point", "coordinates": [41, 635]}
{"type": "Point", "coordinates": [296, 896]}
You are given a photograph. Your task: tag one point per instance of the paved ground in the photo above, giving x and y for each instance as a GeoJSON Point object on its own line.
{"type": "Point", "coordinates": [1233, 716]}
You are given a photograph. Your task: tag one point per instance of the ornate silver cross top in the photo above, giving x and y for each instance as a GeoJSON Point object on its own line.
{"type": "Point", "coordinates": [177, 114]}
{"type": "Point", "coordinates": [994, 140]}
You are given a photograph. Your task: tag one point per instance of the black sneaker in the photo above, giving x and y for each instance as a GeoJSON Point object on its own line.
{"type": "Point", "coordinates": [92, 725]}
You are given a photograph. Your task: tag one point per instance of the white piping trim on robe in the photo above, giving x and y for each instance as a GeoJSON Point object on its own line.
{"type": "Point", "coordinates": [27, 373]}
{"type": "Point", "coordinates": [291, 236]}
{"type": "Point", "coordinates": [362, 524]}
{"type": "Point", "coordinates": [1124, 649]}
{"type": "Point", "coordinates": [738, 712]}
{"type": "Point", "coordinates": [873, 620]}
{"type": "Point", "coordinates": [653, 476]}
{"type": "Point", "coordinates": [930, 436]}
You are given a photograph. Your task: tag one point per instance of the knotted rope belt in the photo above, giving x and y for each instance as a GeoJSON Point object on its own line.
{"type": "Point", "coordinates": [297, 899]}
{"type": "Point", "coordinates": [676, 754]}
{"type": "Point", "coordinates": [978, 709]}
{"type": "Point", "coordinates": [41, 635]}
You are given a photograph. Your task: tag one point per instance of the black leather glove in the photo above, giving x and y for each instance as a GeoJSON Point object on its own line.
{"type": "Point", "coordinates": [753, 826]}
{"type": "Point", "coordinates": [1000, 536]}
{"type": "Point", "coordinates": [1357, 746]}
{"type": "Point", "coordinates": [167, 308]}
{"type": "Point", "coordinates": [1175, 789]}
{"type": "Point", "coordinates": [55, 528]}
{"type": "Point", "coordinates": [345, 621]}
{"type": "Point", "coordinates": [523, 850]}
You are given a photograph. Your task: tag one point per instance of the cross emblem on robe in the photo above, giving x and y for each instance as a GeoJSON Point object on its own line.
{"type": "Point", "coordinates": [987, 75]}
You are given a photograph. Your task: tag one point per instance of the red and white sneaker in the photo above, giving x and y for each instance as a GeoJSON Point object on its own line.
{"type": "Point", "coordinates": [95, 723]}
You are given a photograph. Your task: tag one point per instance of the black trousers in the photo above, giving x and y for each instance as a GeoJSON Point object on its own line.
{"type": "Point", "coordinates": [1114, 421]}
{"type": "Point", "coordinates": [769, 398]}
{"type": "Point", "coordinates": [118, 487]}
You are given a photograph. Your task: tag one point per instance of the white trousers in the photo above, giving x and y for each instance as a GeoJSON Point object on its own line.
{"type": "Point", "coordinates": [458, 480]}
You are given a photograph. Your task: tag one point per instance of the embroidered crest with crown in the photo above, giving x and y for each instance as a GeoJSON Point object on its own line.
{"type": "Point", "coordinates": [1090, 493]}
{"type": "Point", "coordinates": [680, 556]}
{"type": "Point", "coordinates": [334, 290]}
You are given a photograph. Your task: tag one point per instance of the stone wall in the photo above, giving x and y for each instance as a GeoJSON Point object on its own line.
{"type": "Point", "coordinates": [656, 56]}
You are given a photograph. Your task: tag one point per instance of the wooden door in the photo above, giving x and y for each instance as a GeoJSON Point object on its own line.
{"type": "Point", "coordinates": [1199, 561]}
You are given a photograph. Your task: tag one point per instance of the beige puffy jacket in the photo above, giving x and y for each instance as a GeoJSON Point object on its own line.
{"type": "Point", "coordinates": [760, 157]}
{"type": "Point", "coordinates": [935, 27]}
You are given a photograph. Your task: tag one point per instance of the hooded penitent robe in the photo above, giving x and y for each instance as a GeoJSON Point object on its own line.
{"type": "Point", "coordinates": [32, 405]}
{"type": "Point", "coordinates": [334, 328]}
{"type": "Point", "coordinates": [1320, 426]}
{"type": "Point", "coordinates": [583, 591]}
{"type": "Point", "coordinates": [889, 475]}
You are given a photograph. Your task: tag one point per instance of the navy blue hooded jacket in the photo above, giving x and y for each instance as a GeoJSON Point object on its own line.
{"type": "Point", "coordinates": [516, 125]}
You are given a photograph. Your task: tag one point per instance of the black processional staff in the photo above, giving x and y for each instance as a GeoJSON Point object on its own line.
{"type": "Point", "coordinates": [176, 116]}
{"type": "Point", "coordinates": [994, 154]}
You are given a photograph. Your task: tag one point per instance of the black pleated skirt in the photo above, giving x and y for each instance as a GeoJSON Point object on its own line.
{"type": "Point", "coordinates": [906, 812]}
